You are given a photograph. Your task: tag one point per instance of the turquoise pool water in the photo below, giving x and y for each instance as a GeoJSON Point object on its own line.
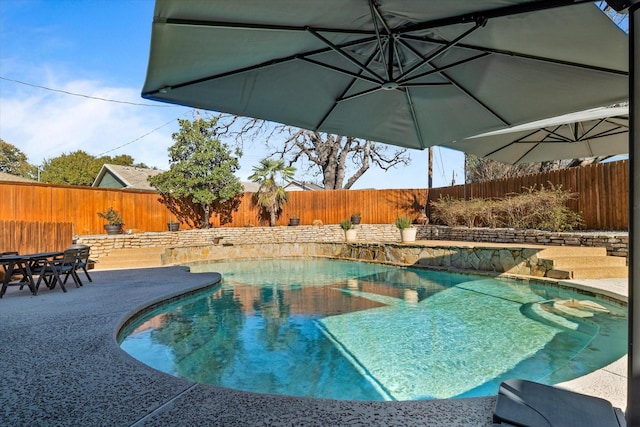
{"type": "Point", "coordinates": [360, 331]}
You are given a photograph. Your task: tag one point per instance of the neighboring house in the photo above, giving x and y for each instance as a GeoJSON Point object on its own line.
{"type": "Point", "coordinates": [302, 186]}
{"type": "Point", "coordinates": [115, 176]}
{"type": "Point", "coordinates": [250, 187]}
{"type": "Point", "coordinates": [9, 177]}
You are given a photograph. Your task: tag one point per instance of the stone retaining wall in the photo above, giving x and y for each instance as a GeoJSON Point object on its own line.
{"type": "Point", "coordinates": [521, 261]}
{"type": "Point", "coordinates": [616, 244]}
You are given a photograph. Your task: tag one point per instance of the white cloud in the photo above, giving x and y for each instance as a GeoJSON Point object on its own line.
{"type": "Point", "coordinates": [44, 124]}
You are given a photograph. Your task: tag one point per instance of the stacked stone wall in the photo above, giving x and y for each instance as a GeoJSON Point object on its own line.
{"type": "Point", "coordinates": [615, 243]}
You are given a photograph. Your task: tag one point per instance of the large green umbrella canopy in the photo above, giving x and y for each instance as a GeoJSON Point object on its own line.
{"type": "Point", "coordinates": [413, 73]}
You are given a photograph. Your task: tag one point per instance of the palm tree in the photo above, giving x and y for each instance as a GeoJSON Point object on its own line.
{"type": "Point", "coordinates": [270, 195]}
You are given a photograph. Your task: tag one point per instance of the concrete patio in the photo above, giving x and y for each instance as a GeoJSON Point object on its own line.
{"type": "Point", "coordinates": [62, 366]}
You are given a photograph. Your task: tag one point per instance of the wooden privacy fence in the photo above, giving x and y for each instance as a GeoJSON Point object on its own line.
{"type": "Point", "coordinates": [142, 210]}
{"type": "Point", "coordinates": [602, 198]}
{"type": "Point", "coordinates": [35, 237]}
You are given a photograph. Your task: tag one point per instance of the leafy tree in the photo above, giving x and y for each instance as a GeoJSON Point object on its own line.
{"type": "Point", "coordinates": [14, 161]}
{"type": "Point", "coordinates": [339, 160]}
{"type": "Point", "coordinates": [79, 167]}
{"type": "Point", "coordinates": [270, 195]}
{"type": "Point", "coordinates": [201, 171]}
{"type": "Point", "coordinates": [75, 168]}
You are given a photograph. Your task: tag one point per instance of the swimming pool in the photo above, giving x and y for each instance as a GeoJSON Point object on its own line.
{"type": "Point", "coordinates": [361, 331]}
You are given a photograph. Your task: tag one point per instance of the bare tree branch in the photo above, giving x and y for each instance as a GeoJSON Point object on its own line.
{"type": "Point", "coordinates": [336, 158]}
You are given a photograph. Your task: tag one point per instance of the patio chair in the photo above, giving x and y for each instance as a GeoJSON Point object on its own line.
{"type": "Point", "coordinates": [529, 404]}
{"type": "Point", "coordinates": [82, 261]}
{"type": "Point", "coordinates": [51, 271]}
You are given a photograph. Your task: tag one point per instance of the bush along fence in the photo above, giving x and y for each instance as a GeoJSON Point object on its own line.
{"type": "Point", "coordinates": [541, 208]}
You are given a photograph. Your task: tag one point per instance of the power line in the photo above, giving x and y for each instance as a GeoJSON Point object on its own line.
{"type": "Point", "coordinates": [137, 139]}
{"type": "Point", "coordinates": [87, 96]}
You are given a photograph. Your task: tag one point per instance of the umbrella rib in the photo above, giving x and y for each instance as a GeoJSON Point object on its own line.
{"type": "Point", "coordinates": [609, 132]}
{"type": "Point", "coordinates": [340, 70]}
{"type": "Point", "coordinates": [500, 12]}
{"type": "Point", "coordinates": [410, 85]}
{"type": "Point", "coordinates": [525, 154]}
{"type": "Point", "coordinates": [441, 71]}
{"type": "Point", "coordinates": [475, 98]}
{"type": "Point", "coordinates": [561, 138]}
{"type": "Point", "coordinates": [498, 150]}
{"type": "Point", "coordinates": [357, 95]}
{"type": "Point", "coordinates": [342, 53]}
{"type": "Point", "coordinates": [248, 26]}
{"type": "Point", "coordinates": [346, 89]}
{"type": "Point", "coordinates": [512, 54]}
{"type": "Point", "coordinates": [446, 67]}
{"type": "Point", "coordinates": [375, 13]}
{"type": "Point", "coordinates": [269, 63]}
{"type": "Point", "coordinates": [605, 132]}
{"type": "Point", "coordinates": [445, 47]}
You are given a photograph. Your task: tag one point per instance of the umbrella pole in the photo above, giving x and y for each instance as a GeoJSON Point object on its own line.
{"type": "Point", "coordinates": [633, 373]}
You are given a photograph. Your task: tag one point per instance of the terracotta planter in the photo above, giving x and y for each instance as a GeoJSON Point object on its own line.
{"type": "Point", "coordinates": [408, 234]}
{"type": "Point", "coordinates": [350, 235]}
{"type": "Point", "coordinates": [113, 229]}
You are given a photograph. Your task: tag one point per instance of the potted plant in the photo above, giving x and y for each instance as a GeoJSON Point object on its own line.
{"type": "Point", "coordinates": [355, 218]}
{"type": "Point", "coordinates": [173, 225]}
{"type": "Point", "coordinates": [114, 220]}
{"type": "Point", "coordinates": [350, 233]}
{"type": "Point", "coordinates": [294, 220]}
{"type": "Point", "coordinates": [407, 230]}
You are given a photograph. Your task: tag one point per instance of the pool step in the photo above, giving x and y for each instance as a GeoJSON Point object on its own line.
{"type": "Point", "coordinates": [131, 258]}
{"type": "Point", "coordinates": [583, 263]}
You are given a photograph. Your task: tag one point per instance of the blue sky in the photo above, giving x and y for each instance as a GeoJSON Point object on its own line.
{"type": "Point", "coordinates": [100, 48]}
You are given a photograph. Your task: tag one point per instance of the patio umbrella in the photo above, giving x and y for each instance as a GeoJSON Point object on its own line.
{"type": "Point", "coordinates": [414, 73]}
{"type": "Point", "coordinates": [590, 133]}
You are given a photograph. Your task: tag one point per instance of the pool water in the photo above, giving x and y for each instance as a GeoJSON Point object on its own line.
{"type": "Point", "coordinates": [360, 331]}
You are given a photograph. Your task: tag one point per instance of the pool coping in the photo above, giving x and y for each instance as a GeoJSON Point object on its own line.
{"type": "Point", "coordinates": [66, 368]}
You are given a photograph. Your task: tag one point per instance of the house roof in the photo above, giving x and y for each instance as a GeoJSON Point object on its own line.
{"type": "Point", "coordinates": [125, 177]}
{"type": "Point", "coordinates": [250, 187]}
{"type": "Point", "coordinates": [10, 177]}
{"type": "Point", "coordinates": [302, 185]}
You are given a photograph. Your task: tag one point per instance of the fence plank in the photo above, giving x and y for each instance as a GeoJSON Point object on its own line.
{"type": "Point", "coordinates": [33, 237]}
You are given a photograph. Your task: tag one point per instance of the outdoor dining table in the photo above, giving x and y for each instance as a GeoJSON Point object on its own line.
{"type": "Point", "coordinates": [24, 265]}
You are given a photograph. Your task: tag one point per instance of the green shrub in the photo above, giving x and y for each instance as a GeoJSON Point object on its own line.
{"type": "Point", "coordinates": [346, 224]}
{"type": "Point", "coordinates": [403, 222]}
{"type": "Point", "coordinates": [112, 216]}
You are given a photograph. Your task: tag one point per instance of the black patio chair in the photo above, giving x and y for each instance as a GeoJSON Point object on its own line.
{"type": "Point", "coordinates": [82, 261]}
{"type": "Point", "coordinates": [51, 271]}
